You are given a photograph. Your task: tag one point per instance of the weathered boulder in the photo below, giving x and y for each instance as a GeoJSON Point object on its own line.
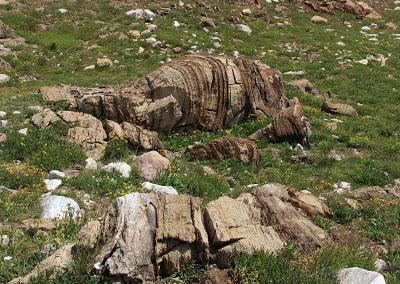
{"type": "Point", "coordinates": [54, 264]}
{"type": "Point", "coordinates": [338, 108]}
{"type": "Point", "coordinates": [226, 147]}
{"type": "Point", "coordinates": [288, 125]}
{"type": "Point", "coordinates": [151, 165]}
{"type": "Point", "coordinates": [235, 226]}
{"type": "Point", "coordinates": [194, 92]}
{"type": "Point", "coordinates": [180, 233]}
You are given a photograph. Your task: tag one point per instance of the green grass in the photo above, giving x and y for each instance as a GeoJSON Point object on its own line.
{"type": "Point", "coordinates": [288, 266]}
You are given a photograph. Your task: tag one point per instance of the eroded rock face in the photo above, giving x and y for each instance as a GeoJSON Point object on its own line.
{"type": "Point", "coordinates": [180, 233]}
{"type": "Point", "coordinates": [145, 235]}
{"type": "Point", "coordinates": [288, 125]}
{"type": "Point", "coordinates": [194, 92]}
{"type": "Point", "coordinates": [226, 147]}
{"type": "Point", "coordinates": [126, 238]}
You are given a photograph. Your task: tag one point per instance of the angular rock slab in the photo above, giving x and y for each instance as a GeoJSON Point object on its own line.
{"type": "Point", "coordinates": [288, 125]}
{"type": "Point", "coordinates": [262, 220]}
{"type": "Point", "coordinates": [338, 108]}
{"type": "Point", "coordinates": [226, 147]}
{"type": "Point", "coordinates": [180, 233]}
{"type": "Point", "coordinates": [235, 227]}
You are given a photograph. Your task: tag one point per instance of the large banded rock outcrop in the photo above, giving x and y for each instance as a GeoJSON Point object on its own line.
{"type": "Point", "coordinates": [194, 92]}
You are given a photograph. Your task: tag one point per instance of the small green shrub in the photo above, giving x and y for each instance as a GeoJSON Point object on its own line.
{"type": "Point", "coordinates": [42, 148]}
{"type": "Point", "coordinates": [116, 150]}
{"type": "Point", "coordinates": [191, 272]}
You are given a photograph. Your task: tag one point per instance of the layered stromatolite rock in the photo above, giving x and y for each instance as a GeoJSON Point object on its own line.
{"type": "Point", "coordinates": [194, 92]}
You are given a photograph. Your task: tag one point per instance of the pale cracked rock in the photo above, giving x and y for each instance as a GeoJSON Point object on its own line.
{"type": "Point", "coordinates": [59, 207]}
{"type": "Point", "coordinates": [52, 184]}
{"type": "Point", "coordinates": [120, 167]}
{"type": "Point", "coordinates": [318, 20]}
{"type": "Point", "coordinates": [151, 165]}
{"type": "Point", "coordinates": [355, 275]}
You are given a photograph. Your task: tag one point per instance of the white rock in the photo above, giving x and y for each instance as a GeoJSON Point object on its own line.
{"type": "Point", "coordinates": [16, 112]}
{"type": "Point", "coordinates": [23, 131]}
{"type": "Point", "coordinates": [5, 240]}
{"type": "Point", "coordinates": [58, 207]}
{"type": "Point", "coordinates": [90, 67]}
{"type": "Point", "coordinates": [54, 174]}
{"type": "Point", "coordinates": [2, 114]}
{"type": "Point", "coordinates": [121, 167]}
{"type": "Point", "coordinates": [318, 20]}
{"type": "Point", "coordinates": [4, 78]}
{"type": "Point", "coordinates": [236, 53]}
{"type": "Point", "coordinates": [246, 12]}
{"type": "Point", "coordinates": [52, 184]}
{"type": "Point", "coordinates": [62, 10]}
{"type": "Point", "coordinates": [244, 28]}
{"type": "Point", "coordinates": [355, 275]}
{"type": "Point", "coordinates": [341, 43]}
{"type": "Point", "coordinates": [344, 185]}
{"type": "Point", "coordinates": [141, 13]}
{"type": "Point", "coordinates": [151, 40]}
{"type": "Point", "coordinates": [365, 28]}
{"type": "Point", "coordinates": [176, 24]}
{"type": "Point", "coordinates": [7, 258]}
{"type": "Point", "coordinates": [363, 61]}
{"type": "Point", "coordinates": [4, 123]}
{"type": "Point", "coordinates": [141, 50]}
{"type": "Point", "coordinates": [159, 189]}
{"type": "Point", "coordinates": [91, 164]}
{"type": "Point", "coordinates": [298, 73]}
